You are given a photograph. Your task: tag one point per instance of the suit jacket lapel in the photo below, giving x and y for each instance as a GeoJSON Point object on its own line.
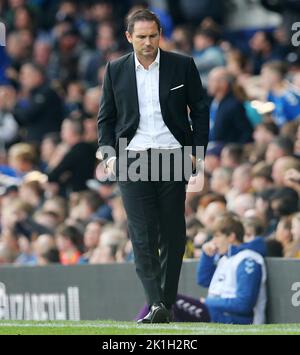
{"type": "Point", "coordinates": [131, 85]}
{"type": "Point", "coordinates": [166, 70]}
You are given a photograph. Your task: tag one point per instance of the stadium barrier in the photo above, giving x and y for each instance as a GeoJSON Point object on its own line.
{"type": "Point", "coordinates": [90, 292]}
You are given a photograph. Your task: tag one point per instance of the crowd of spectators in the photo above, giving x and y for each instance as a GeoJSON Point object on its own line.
{"type": "Point", "coordinates": [55, 210]}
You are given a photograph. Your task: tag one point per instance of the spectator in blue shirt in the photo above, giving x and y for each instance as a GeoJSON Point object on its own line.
{"type": "Point", "coordinates": [285, 98]}
{"type": "Point", "coordinates": [235, 274]}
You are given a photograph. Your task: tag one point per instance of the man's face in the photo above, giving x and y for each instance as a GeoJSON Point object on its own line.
{"type": "Point", "coordinates": [145, 39]}
{"type": "Point", "coordinates": [296, 229]}
{"type": "Point", "coordinates": [29, 77]}
{"type": "Point", "coordinates": [269, 78]}
{"type": "Point", "coordinates": [222, 242]}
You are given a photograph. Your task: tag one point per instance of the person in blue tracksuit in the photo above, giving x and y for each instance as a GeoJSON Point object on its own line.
{"type": "Point", "coordinates": [234, 273]}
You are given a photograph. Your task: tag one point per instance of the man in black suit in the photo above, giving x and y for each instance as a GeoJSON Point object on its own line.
{"type": "Point", "coordinates": [145, 99]}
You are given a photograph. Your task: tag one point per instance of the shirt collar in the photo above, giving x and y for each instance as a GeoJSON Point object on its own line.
{"type": "Point", "coordinates": [139, 65]}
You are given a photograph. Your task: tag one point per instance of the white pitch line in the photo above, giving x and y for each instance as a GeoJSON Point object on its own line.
{"type": "Point", "coordinates": [201, 328]}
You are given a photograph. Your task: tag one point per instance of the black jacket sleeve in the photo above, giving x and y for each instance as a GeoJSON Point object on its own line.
{"type": "Point", "coordinates": [197, 103]}
{"type": "Point", "coordinates": [107, 117]}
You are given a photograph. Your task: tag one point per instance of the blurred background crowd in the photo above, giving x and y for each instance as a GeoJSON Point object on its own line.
{"type": "Point", "coordinates": [55, 210]}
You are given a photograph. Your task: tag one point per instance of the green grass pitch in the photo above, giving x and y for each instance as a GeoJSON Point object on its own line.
{"type": "Point", "coordinates": [131, 328]}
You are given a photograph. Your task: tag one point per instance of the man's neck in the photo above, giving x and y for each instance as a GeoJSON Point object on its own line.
{"type": "Point", "coordinates": [146, 62]}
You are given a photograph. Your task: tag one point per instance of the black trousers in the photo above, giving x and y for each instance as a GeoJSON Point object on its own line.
{"type": "Point", "coordinates": [156, 222]}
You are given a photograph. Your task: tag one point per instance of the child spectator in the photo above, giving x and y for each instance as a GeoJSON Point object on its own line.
{"type": "Point", "coordinates": [237, 281]}
{"type": "Point", "coordinates": [69, 244]}
{"type": "Point", "coordinates": [296, 235]}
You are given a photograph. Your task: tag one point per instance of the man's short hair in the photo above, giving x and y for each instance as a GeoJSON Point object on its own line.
{"type": "Point", "coordinates": [36, 67]}
{"type": "Point", "coordinates": [236, 152]}
{"type": "Point", "coordinates": [77, 126]}
{"type": "Point", "coordinates": [284, 143]}
{"type": "Point", "coordinates": [255, 223]}
{"type": "Point", "coordinates": [278, 67]}
{"type": "Point", "coordinates": [285, 201]}
{"type": "Point", "coordinates": [262, 170]}
{"type": "Point", "coordinates": [141, 15]}
{"type": "Point", "coordinates": [71, 233]}
{"type": "Point", "coordinates": [227, 224]}
{"type": "Point", "coordinates": [209, 33]}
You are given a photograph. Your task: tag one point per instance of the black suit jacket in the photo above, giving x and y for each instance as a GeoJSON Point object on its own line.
{"type": "Point", "coordinates": [119, 109]}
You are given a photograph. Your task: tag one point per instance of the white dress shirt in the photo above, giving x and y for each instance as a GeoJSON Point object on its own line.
{"type": "Point", "coordinates": [152, 131]}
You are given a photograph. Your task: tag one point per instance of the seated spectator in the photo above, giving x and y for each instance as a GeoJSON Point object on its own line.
{"type": "Point", "coordinates": [68, 241]}
{"type": "Point", "coordinates": [64, 63]}
{"type": "Point", "coordinates": [194, 236]}
{"type": "Point", "coordinates": [277, 148]}
{"type": "Point", "coordinates": [207, 54]}
{"type": "Point", "coordinates": [6, 256]}
{"type": "Point", "coordinates": [281, 166]}
{"type": "Point", "coordinates": [182, 40]}
{"type": "Point", "coordinates": [105, 189]}
{"type": "Point", "coordinates": [220, 182]}
{"type": "Point", "coordinates": [241, 178]}
{"type": "Point", "coordinates": [241, 184]}
{"type": "Point", "coordinates": [48, 219]}
{"type": "Point", "coordinates": [253, 227]}
{"type": "Point", "coordinates": [232, 156]}
{"type": "Point", "coordinates": [58, 206]}
{"type": "Point", "coordinates": [213, 156]}
{"type": "Point", "coordinates": [22, 158]}
{"type": "Point", "coordinates": [91, 101]}
{"type": "Point", "coordinates": [292, 179]}
{"type": "Point", "coordinates": [286, 100]}
{"type": "Point", "coordinates": [111, 246]}
{"type": "Point", "coordinates": [78, 164]}
{"type": "Point", "coordinates": [74, 98]}
{"type": "Point", "coordinates": [16, 220]}
{"type": "Point", "coordinates": [32, 193]}
{"type": "Point", "coordinates": [208, 214]}
{"type": "Point", "coordinates": [296, 236]}
{"type": "Point", "coordinates": [8, 124]}
{"type": "Point", "coordinates": [253, 114]}
{"type": "Point", "coordinates": [244, 203]}
{"type": "Point", "coordinates": [264, 211]}
{"type": "Point", "coordinates": [284, 235]}
{"type": "Point", "coordinates": [237, 282]}
{"type": "Point", "coordinates": [263, 135]}
{"type": "Point", "coordinates": [45, 250]}
{"type": "Point", "coordinates": [261, 174]}
{"type": "Point", "coordinates": [284, 202]}
{"type": "Point", "coordinates": [42, 49]}
{"type": "Point", "coordinates": [91, 239]}
{"type": "Point", "coordinates": [42, 112]}
{"type": "Point", "coordinates": [118, 210]}
{"type": "Point", "coordinates": [89, 202]}
{"type": "Point", "coordinates": [237, 65]}
{"type": "Point", "coordinates": [49, 150]}
{"type": "Point", "coordinates": [263, 50]}
{"type": "Point", "coordinates": [105, 43]}
{"type": "Point", "coordinates": [228, 120]}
